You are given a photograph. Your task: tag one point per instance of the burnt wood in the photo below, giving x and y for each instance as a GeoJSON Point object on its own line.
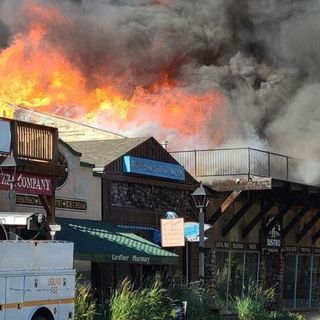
{"type": "Point", "coordinates": [258, 217]}
{"type": "Point", "coordinates": [295, 220]}
{"type": "Point", "coordinates": [278, 218]}
{"type": "Point", "coordinates": [228, 227]}
{"type": "Point", "coordinates": [308, 226]}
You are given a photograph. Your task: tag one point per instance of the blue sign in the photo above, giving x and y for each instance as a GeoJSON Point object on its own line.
{"type": "Point", "coordinates": [153, 168]}
{"type": "Point", "coordinates": [192, 231]}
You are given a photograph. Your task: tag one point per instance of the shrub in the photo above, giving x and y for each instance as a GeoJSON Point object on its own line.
{"type": "Point", "coordinates": [200, 299]}
{"type": "Point", "coordinates": [85, 305]}
{"type": "Point", "coordinates": [254, 305]}
{"type": "Point", "coordinates": [148, 304]}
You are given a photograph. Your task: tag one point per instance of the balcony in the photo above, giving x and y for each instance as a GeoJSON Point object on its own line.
{"type": "Point", "coordinates": [28, 140]}
{"type": "Point", "coordinates": [245, 163]}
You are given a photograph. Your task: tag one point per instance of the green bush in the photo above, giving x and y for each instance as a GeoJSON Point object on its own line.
{"type": "Point", "coordinates": [85, 305]}
{"type": "Point", "coordinates": [254, 305]}
{"type": "Point", "coordinates": [200, 299]}
{"type": "Point", "coordinates": [148, 304]}
{"type": "Point", "coordinates": [277, 315]}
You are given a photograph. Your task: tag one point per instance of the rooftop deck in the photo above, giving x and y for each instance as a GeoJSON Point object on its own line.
{"type": "Point", "coordinates": [233, 166]}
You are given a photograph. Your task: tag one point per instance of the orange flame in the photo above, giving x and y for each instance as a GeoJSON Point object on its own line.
{"type": "Point", "coordinates": [38, 74]}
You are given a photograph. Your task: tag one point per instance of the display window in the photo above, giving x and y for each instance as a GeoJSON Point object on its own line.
{"type": "Point", "coordinates": [235, 271]}
{"type": "Point", "coordinates": [301, 281]}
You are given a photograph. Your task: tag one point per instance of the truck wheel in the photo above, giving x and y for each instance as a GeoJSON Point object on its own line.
{"type": "Point", "coordinates": [39, 318]}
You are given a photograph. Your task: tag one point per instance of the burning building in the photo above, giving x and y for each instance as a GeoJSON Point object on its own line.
{"type": "Point", "coordinates": [205, 73]}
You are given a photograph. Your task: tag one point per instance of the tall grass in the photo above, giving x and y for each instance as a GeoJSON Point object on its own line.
{"type": "Point", "coordinates": [85, 305]}
{"type": "Point", "coordinates": [147, 304]}
{"type": "Point", "coordinates": [200, 299]}
{"type": "Point", "coordinates": [254, 305]}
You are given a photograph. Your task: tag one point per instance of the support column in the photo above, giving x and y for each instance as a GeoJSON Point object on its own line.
{"type": "Point", "coordinates": [271, 274]}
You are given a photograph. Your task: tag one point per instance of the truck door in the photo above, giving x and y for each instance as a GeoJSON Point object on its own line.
{"type": "Point", "coordinates": [14, 298]}
{"type": "Point", "coordinates": [2, 297]}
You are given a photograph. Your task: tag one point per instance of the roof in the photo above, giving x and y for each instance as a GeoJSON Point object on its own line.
{"type": "Point", "coordinates": [103, 152]}
{"type": "Point", "coordinates": [69, 130]}
{"type": "Point", "coordinates": [101, 241]}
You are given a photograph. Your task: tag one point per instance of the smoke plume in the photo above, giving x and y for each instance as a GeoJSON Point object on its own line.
{"type": "Point", "coordinates": [261, 55]}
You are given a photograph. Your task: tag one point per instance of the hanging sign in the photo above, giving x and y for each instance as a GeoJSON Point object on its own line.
{"type": "Point", "coordinates": [273, 237]}
{"type": "Point", "coordinates": [28, 183]}
{"type": "Point", "coordinates": [192, 231]}
{"type": "Point", "coordinates": [5, 134]}
{"type": "Point", "coordinates": [172, 232]}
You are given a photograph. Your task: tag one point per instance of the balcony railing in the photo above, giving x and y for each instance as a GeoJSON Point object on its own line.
{"type": "Point", "coordinates": [239, 162]}
{"type": "Point", "coordinates": [28, 140]}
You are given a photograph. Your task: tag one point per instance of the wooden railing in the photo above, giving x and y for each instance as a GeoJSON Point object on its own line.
{"type": "Point", "coordinates": [32, 141]}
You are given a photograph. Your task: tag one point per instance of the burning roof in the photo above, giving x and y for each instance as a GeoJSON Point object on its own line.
{"type": "Point", "coordinates": [196, 73]}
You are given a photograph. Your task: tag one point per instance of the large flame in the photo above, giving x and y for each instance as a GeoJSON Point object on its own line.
{"type": "Point", "coordinates": [38, 74]}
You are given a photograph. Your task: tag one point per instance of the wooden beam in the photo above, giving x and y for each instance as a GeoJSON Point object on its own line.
{"type": "Point", "coordinates": [41, 168]}
{"type": "Point", "coordinates": [48, 203]}
{"type": "Point", "coordinates": [223, 207]}
{"type": "Point", "coordinates": [226, 229]}
{"type": "Point", "coordinates": [295, 220]}
{"type": "Point", "coordinates": [258, 217]}
{"type": "Point", "coordinates": [278, 218]}
{"type": "Point", "coordinates": [315, 237]}
{"type": "Point", "coordinates": [308, 226]}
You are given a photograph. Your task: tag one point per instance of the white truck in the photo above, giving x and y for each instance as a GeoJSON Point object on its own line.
{"type": "Point", "coordinates": [37, 280]}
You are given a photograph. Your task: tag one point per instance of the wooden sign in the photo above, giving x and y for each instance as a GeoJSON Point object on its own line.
{"type": "Point", "coordinates": [172, 232]}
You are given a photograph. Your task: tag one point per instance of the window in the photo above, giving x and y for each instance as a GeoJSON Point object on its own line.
{"type": "Point", "coordinates": [235, 271]}
{"type": "Point", "coordinates": [301, 283]}
{"type": "Point", "coordinates": [251, 270]}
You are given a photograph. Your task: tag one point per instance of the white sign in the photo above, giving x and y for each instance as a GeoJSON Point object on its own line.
{"type": "Point", "coordinates": [172, 232]}
{"type": "Point", "coordinates": [5, 136]}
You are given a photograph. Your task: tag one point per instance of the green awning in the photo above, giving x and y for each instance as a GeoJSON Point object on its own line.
{"type": "Point", "coordinates": [104, 242]}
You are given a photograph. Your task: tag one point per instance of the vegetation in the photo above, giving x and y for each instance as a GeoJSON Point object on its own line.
{"type": "Point", "coordinates": [85, 305]}
{"type": "Point", "coordinates": [202, 302]}
{"type": "Point", "coordinates": [157, 303]}
{"type": "Point", "coordinates": [148, 304]}
{"type": "Point", "coordinates": [254, 305]}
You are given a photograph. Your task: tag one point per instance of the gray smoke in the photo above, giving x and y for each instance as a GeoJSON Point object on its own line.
{"type": "Point", "coordinates": [262, 54]}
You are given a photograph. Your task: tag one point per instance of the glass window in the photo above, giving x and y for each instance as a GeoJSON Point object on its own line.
{"type": "Point", "coordinates": [303, 281]}
{"type": "Point", "coordinates": [236, 274]}
{"type": "Point", "coordinates": [251, 269]}
{"type": "Point", "coordinates": [289, 280]}
{"type": "Point", "coordinates": [222, 261]}
{"type": "Point", "coordinates": [83, 269]}
{"type": "Point", "coordinates": [315, 295]}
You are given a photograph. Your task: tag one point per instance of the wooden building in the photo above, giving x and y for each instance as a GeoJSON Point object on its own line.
{"type": "Point", "coordinates": [265, 222]}
{"type": "Point", "coordinates": [141, 182]}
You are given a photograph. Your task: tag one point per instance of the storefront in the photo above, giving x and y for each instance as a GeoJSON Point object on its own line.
{"type": "Point", "coordinates": [246, 244]}
{"type": "Point", "coordinates": [106, 254]}
{"type": "Point", "coordinates": [141, 182]}
{"type": "Point", "coordinates": [29, 164]}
